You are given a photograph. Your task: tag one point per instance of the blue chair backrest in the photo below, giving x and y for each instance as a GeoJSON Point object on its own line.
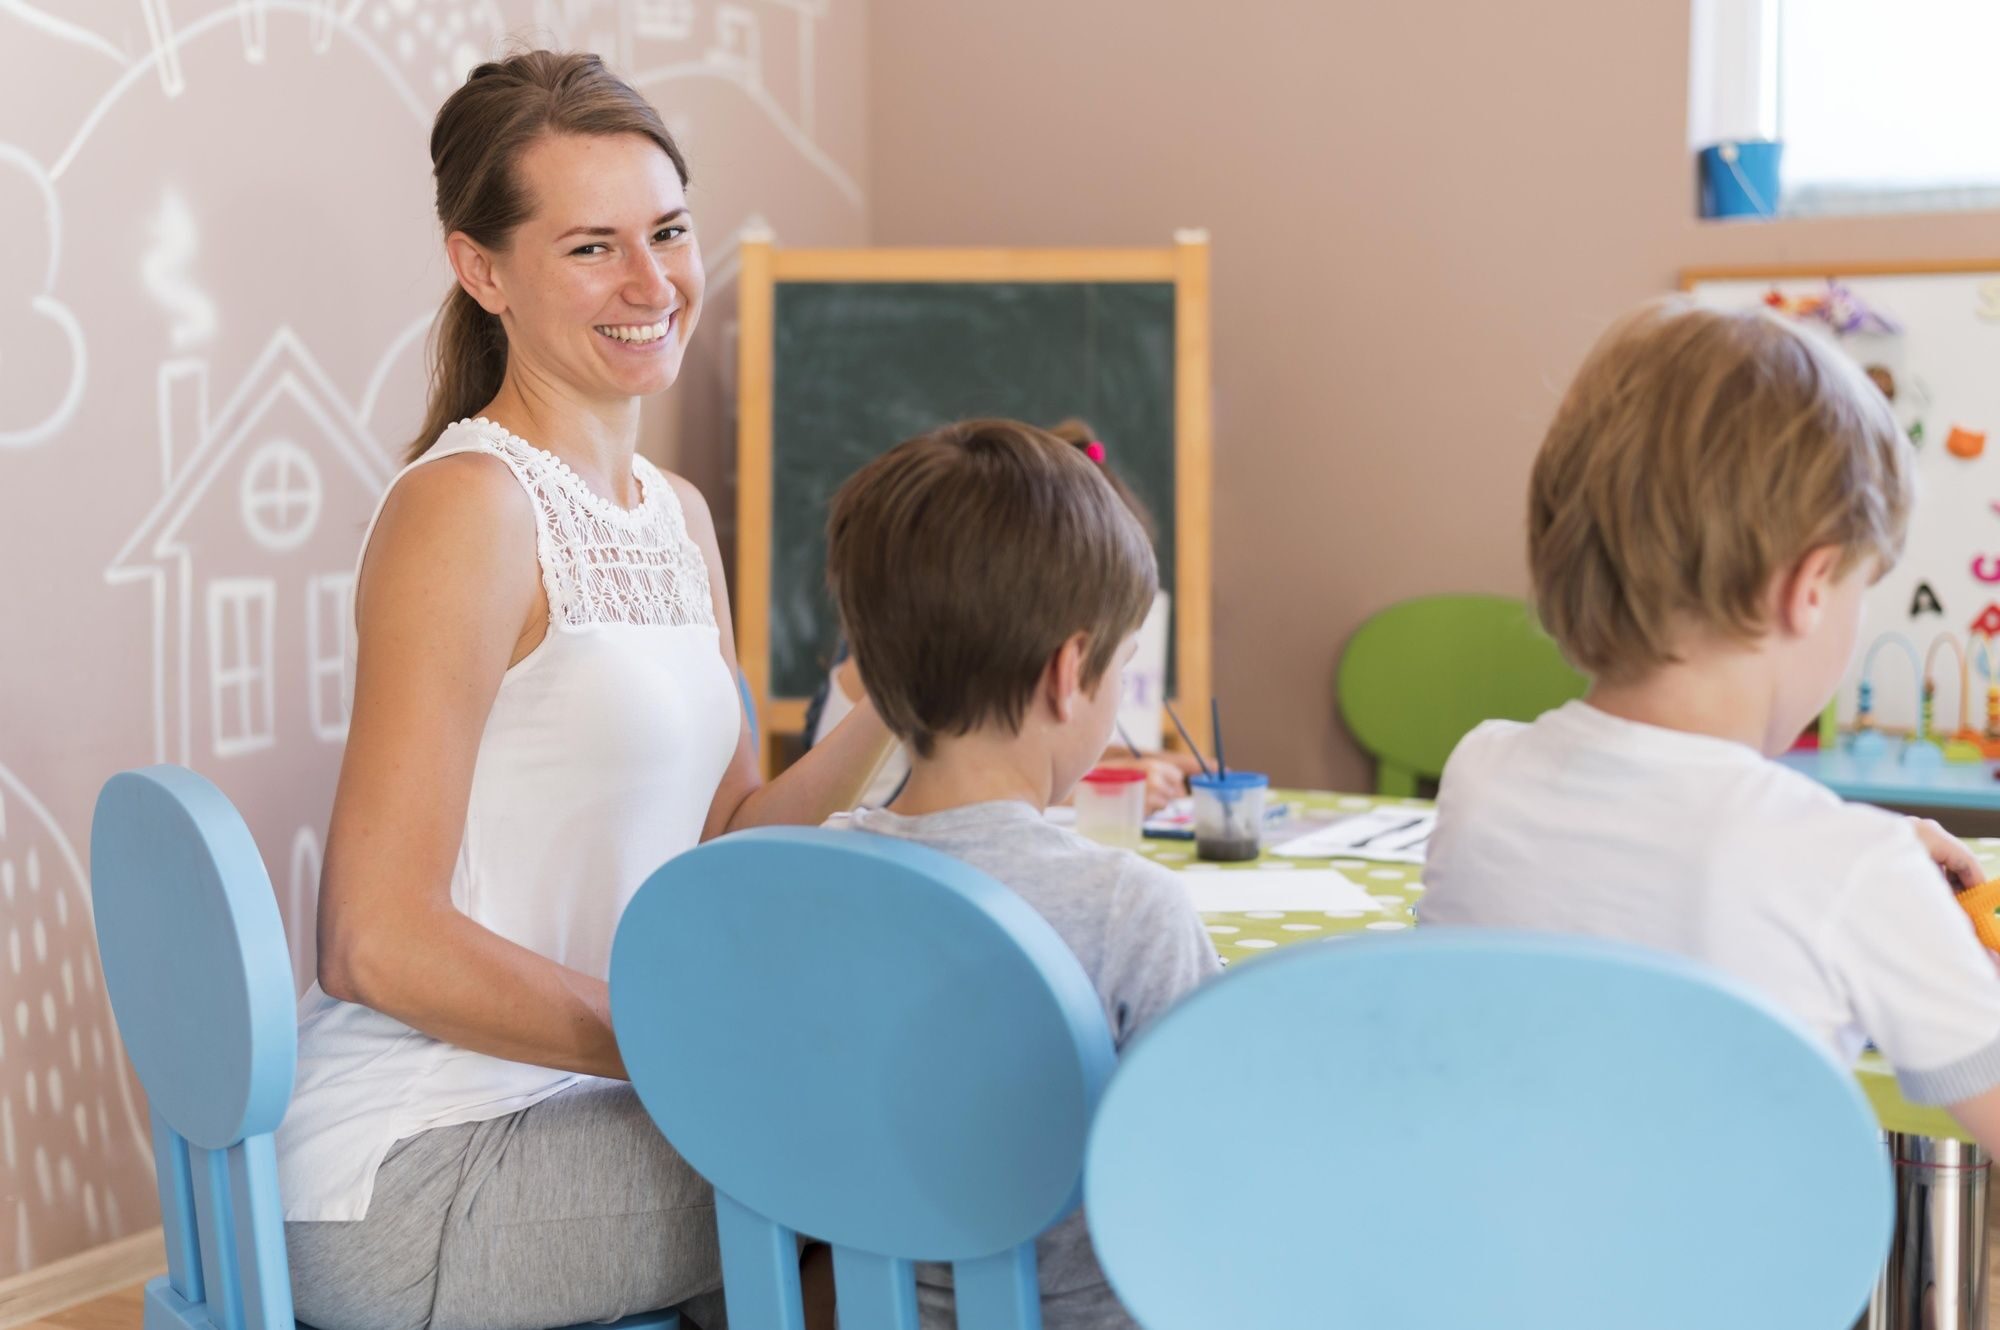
{"type": "Point", "coordinates": [200, 982]}
{"type": "Point", "coordinates": [870, 1043]}
{"type": "Point", "coordinates": [1455, 1129]}
{"type": "Point", "coordinates": [749, 708]}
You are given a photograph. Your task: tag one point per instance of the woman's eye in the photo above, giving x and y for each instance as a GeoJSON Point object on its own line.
{"type": "Point", "coordinates": [585, 249]}
{"type": "Point", "coordinates": [669, 233]}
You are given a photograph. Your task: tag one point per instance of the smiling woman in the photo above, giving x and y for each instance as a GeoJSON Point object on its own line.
{"type": "Point", "coordinates": [545, 711]}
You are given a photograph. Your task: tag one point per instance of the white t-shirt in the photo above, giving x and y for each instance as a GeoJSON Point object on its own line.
{"type": "Point", "coordinates": [1583, 822]}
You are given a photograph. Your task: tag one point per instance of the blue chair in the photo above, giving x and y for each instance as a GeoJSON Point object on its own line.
{"type": "Point", "coordinates": [200, 982]}
{"type": "Point", "coordinates": [749, 708]}
{"type": "Point", "coordinates": [1459, 1129]}
{"type": "Point", "coordinates": [870, 1043]}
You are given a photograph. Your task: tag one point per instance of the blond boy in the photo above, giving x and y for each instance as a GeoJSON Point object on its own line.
{"type": "Point", "coordinates": [1716, 492]}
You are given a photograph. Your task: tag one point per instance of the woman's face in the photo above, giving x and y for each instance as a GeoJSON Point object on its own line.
{"type": "Point", "coordinates": [602, 284]}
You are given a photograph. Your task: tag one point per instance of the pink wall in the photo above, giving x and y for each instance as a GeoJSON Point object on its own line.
{"type": "Point", "coordinates": [222, 242]}
{"type": "Point", "coordinates": [1421, 217]}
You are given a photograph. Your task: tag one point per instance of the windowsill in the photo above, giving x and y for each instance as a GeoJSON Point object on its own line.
{"type": "Point", "coordinates": [1869, 201]}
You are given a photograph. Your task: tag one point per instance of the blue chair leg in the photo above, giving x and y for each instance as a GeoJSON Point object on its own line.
{"type": "Point", "coordinates": [998, 1292]}
{"type": "Point", "coordinates": [879, 1292]}
{"type": "Point", "coordinates": [760, 1269]}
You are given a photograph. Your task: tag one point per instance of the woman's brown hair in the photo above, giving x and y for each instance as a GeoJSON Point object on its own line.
{"type": "Point", "coordinates": [476, 148]}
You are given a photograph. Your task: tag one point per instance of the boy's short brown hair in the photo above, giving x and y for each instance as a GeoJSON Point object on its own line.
{"type": "Point", "coordinates": [962, 559]}
{"type": "Point", "coordinates": [1698, 455]}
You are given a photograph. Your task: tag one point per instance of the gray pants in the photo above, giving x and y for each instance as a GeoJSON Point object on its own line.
{"type": "Point", "coordinates": [574, 1210]}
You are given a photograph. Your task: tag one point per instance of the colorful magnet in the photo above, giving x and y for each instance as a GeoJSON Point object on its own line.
{"type": "Point", "coordinates": [1988, 621]}
{"type": "Point", "coordinates": [1965, 443]}
{"type": "Point", "coordinates": [1986, 568]}
{"type": "Point", "coordinates": [1925, 601]}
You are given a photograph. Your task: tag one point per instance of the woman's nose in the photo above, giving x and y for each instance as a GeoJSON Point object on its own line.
{"type": "Point", "coordinates": [649, 284]}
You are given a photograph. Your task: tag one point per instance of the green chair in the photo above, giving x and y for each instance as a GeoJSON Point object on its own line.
{"type": "Point", "coordinates": [1418, 675]}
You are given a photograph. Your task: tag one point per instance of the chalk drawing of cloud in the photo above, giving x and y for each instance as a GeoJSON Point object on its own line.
{"type": "Point", "coordinates": [41, 343]}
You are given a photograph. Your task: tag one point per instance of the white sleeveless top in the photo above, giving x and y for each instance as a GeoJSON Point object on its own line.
{"type": "Point", "coordinates": [598, 763]}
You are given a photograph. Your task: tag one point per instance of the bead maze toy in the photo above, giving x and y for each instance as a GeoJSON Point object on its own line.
{"type": "Point", "coordinates": [1926, 749]}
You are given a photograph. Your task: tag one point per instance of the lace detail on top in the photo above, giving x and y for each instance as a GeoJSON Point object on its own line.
{"type": "Point", "coordinates": [602, 563]}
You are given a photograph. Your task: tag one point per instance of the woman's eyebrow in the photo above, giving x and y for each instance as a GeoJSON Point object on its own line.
{"type": "Point", "coordinates": [661, 220]}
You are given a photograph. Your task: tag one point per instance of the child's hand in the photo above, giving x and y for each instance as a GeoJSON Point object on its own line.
{"type": "Point", "coordinates": [1165, 782]}
{"type": "Point", "coordinates": [1185, 763]}
{"type": "Point", "coordinates": [1961, 867]}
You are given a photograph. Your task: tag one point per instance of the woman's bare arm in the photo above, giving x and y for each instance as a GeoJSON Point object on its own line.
{"type": "Point", "coordinates": [827, 780]}
{"type": "Point", "coordinates": [449, 597]}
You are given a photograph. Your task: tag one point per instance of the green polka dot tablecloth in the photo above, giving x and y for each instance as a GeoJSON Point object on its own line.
{"type": "Point", "coordinates": [1397, 888]}
{"type": "Point", "coordinates": [1237, 937]}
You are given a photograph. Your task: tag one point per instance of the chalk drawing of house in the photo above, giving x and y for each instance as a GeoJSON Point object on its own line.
{"type": "Point", "coordinates": [249, 557]}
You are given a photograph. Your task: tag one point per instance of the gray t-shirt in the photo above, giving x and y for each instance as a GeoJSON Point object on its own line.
{"type": "Point", "coordinates": [1140, 941]}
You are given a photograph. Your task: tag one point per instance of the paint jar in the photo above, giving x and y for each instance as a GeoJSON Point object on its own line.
{"type": "Point", "coordinates": [1111, 805]}
{"type": "Point", "coordinates": [1229, 815]}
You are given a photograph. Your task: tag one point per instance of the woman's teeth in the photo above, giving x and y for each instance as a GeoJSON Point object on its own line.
{"type": "Point", "coordinates": [636, 332]}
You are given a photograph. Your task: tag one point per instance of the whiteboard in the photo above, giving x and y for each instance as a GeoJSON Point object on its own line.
{"type": "Point", "coordinates": [1944, 363]}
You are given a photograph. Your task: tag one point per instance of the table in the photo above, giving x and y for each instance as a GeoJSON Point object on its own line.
{"type": "Point", "coordinates": [1968, 785]}
{"type": "Point", "coordinates": [1937, 1267]}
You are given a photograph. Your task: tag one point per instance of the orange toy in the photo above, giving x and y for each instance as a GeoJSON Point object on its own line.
{"type": "Point", "coordinates": [1981, 902]}
{"type": "Point", "coordinates": [1965, 443]}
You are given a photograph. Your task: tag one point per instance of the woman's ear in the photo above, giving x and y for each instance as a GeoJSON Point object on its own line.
{"type": "Point", "coordinates": [472, 264]}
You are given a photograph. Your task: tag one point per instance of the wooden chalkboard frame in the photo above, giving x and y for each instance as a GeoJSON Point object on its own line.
{"type": "Point", "coordinates": [763, 266]}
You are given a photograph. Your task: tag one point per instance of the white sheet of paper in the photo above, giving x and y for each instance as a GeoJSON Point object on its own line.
{"type": "Point", "coordinates": [1386, 835]}
{"type": "Point", "coordinates": [1220, 892]}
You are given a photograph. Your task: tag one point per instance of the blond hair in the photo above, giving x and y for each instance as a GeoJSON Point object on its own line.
{"type": "Point", "coordinates": [962, 560]}
{"type": "Point", "coordinates": [1698, 455]}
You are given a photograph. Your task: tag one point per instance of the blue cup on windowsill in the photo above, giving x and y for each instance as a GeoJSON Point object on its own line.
{"type": "Point", "coordinates": [1739, 178]}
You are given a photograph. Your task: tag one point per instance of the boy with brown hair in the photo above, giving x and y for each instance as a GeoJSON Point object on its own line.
{"type": "Point", "coordinates": [1716, 492]}
{"type": "Point", "coordinates": [991, 585]}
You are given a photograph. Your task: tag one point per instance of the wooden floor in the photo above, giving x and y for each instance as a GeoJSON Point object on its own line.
{"type": "Point", "coordinates": [121, 1311]}
{"type": "Point", "coordinates": [114, 1311]}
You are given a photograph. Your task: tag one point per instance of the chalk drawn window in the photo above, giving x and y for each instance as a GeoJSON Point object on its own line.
{"type": "Point", "coordinates": [281, 495]}
{"type": "Point", "coordinates": [329, 633]}
{"type": "Point", "coordinates": [240, 615]}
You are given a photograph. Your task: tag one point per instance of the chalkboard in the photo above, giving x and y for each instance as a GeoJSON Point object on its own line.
{"type": "Point", "coordinates": [847, 352]}
{"type": "Point", "coordinates": [860, 366]}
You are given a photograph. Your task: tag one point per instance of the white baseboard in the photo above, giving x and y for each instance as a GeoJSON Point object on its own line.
{"type": "Point", "coordinates": [74, 1279]}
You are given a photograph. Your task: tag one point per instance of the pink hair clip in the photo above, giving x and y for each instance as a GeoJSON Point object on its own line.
{"type": "Point", "coordinates": [1094, 451]}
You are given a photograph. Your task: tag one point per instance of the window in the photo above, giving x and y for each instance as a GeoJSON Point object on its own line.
{"type": "Point", "coordinates": [329, 635]}
{"type": "Point", "coordinates": [240, 614]}
{"type": "Point", "coordinates": [1880, 107]}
